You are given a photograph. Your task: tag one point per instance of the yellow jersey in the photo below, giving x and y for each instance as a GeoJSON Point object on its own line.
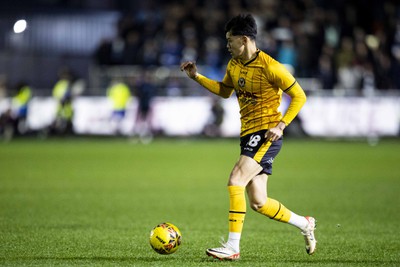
{"type": "Point", "coordinates": [259, 84]}
{"type": "Point", "coordinates": [120, 95]}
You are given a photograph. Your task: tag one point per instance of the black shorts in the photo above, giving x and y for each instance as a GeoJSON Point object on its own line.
{"type": "Point", "coordinates": [258, 148]}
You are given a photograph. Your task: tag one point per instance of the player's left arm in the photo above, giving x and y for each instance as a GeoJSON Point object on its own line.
{"type": "Point", "coordinates": [298, 98]}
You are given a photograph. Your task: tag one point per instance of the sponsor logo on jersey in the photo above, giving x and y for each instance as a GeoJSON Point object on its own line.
{"type": "Point", "coordinates": [246, 97]}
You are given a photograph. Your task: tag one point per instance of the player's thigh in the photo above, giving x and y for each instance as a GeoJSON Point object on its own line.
{"type": "Point", "coordinates": [257, 191]}
{"type": "Point", "coordinates": [244, 171]}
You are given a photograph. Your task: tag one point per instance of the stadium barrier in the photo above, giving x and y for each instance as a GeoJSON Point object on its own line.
{"type": "Point", "coordinates": [322, 116]}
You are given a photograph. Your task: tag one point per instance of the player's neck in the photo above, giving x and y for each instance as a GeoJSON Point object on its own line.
{"type": "Point", "coordinates": [249, 54]}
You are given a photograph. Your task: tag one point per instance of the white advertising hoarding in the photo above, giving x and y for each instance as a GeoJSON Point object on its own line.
{"type": "Point", "coordinates": [183, 116]}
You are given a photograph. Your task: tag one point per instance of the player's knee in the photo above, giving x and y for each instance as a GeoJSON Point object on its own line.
{"type": "Point", "coordinates": [256, 205]}
{"type": "Point", "coordinates": [237, 178]}
{"type": "Point", "coordinates": [235, 181]}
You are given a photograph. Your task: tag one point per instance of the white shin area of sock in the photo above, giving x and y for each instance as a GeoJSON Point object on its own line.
{"type": "Point", "coordinates": [234, 240]}
{"type": "Point", "coordinates": [299, 221]}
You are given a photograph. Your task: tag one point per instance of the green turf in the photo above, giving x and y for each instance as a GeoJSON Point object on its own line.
{"type": "Point", "coordinates": [93, 202]}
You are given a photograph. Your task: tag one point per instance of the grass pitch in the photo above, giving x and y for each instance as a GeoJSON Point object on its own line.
{"type": "Point", "coordinates": [93, 202]}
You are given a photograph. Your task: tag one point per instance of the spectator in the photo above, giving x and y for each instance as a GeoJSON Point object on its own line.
{"type": "Point", "coordinates": [132, 48]}
{"type": "Point", "coordinates": [7, 125]}
{"type": "Point", "coordinates": [295, 32]}
{"type": "Point", "coordinates": [145, 92]}
{"type": "Point", "coordinates": [213, 126]}
{"type": "Point", "coordinates": [14, 120]}
{"type": "Point", "coordinates": [3, 86]}
{"type": "Point", "coordinates": [348, 74]}
{"type": "Point", "coordinates": [20, 107]}
{"type": "Point", "coordinates": [395, 69]}
{"type": "Point", "coordinates": [119, 95]}
{"type": "Point", "coordinates": [325, 72]}
{"type": "Point", "coordinates": [62, 93]}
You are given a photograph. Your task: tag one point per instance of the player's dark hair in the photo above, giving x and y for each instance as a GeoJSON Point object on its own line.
{"type": "Point", "coordinates": [242, 25]}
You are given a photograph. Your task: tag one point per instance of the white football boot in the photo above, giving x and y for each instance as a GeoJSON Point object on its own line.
{"type": "Point", "coordinates": [226, 252]}
{"type": "Point", "coordinates": [308, 233]}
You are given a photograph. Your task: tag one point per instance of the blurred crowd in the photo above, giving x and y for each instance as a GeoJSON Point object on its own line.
{"type": "Point", "coordinates": [349, 46]}
{"type": "Point", "coordinates": [352, 45]}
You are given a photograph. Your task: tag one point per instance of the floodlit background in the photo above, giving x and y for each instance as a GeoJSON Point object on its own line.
{"type": "Point", "coordinates": [345, 54]}
{"type": "Point", "coordinates": [90, 68]}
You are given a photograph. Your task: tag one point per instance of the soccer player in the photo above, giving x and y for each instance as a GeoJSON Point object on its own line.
{"type": "Point", "coordinates": [258, 81]}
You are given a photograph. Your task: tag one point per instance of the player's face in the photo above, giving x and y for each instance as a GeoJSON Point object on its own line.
{"type": "Point", "coordinates": [235, 45]}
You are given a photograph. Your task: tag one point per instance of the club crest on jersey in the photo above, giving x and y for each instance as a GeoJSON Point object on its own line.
{"type": "Point", "coordinates": [241, 82]}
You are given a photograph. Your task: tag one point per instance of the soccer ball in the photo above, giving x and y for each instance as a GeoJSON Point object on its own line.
{"type": "Point", "coordinates": [165, 238]}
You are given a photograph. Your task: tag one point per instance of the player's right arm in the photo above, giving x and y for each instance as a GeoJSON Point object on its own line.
{"type": "Point", "coordinates": [219, 88]}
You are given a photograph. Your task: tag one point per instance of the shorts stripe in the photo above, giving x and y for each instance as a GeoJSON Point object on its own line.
{"type": "Point", "coordinates": [261, 152]}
